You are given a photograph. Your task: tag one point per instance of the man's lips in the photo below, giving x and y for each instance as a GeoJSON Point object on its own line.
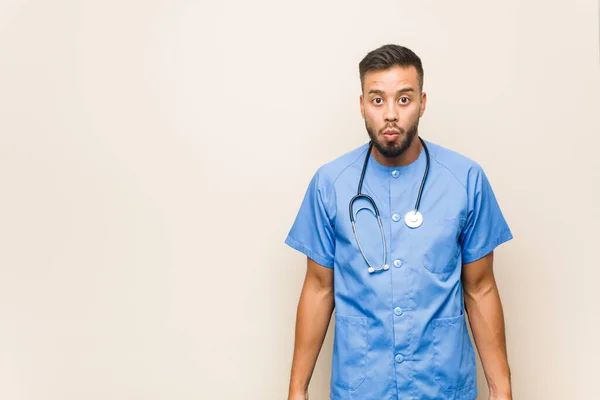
{"type": "Point", "coordinates": [391, 134]}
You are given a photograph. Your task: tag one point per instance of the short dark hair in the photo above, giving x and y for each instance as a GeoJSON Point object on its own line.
{"type": "Point", "coordinates": [388, 56]}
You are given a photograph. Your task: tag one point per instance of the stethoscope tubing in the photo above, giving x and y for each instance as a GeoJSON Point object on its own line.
{"type": "Point", "coordinates": [359, 195]}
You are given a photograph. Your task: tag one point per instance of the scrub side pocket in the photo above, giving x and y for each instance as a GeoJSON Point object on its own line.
{"type": "Point", "coordinates": [349, 352]}
{"type": "Point", "coordinates": [453, 355]}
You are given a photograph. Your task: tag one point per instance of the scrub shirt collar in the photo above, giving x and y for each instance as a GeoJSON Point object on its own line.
{"type": "Point", "coordinates": [417, 167]}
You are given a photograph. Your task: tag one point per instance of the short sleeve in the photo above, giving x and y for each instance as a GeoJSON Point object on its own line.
{"type": "Point", "coordinates": [485, 228]}
{"type": "Point", "coordinates": [312, 232]}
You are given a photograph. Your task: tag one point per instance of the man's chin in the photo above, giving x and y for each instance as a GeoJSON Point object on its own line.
{"type": "Point", "coordinates": [390, 150]}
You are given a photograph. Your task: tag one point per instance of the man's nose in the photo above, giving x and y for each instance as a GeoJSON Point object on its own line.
{"type": "Point", "coordinates": [391, 115]}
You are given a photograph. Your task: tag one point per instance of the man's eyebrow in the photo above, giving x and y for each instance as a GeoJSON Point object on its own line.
{"type": "Point", "coordinates": [376, 91]}
{"type": "Point", "coordinates": [381, 92]}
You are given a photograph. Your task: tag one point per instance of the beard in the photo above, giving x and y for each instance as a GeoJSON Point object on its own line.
{"type": "Point", "coordinates": [396, 148]}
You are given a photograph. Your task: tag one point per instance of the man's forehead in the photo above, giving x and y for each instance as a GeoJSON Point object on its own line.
{"type": "Point", "coordinates": [393, 78]}
{"type": "Point", "coordinates": [393, 86]}
{"type": "Point", "coordinates": [399, 82]}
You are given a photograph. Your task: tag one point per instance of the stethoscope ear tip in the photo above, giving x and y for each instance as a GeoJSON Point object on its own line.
{"type": "Point", "coordinates": [386, 267]}
{"type": "Point", "coordinates": [371, 270]}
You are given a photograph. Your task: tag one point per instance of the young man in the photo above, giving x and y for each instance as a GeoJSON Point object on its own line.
{"type": "Point", "coordinates": [402, 261]}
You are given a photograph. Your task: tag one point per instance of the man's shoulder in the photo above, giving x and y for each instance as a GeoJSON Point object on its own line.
{"type": "Point", "coordinates": [331, 170]}
{"type": "Point", "coordinates": [457, 164]}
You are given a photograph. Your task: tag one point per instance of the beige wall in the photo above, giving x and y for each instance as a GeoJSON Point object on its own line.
{"type": "Point", "coordinates": [153, 155]}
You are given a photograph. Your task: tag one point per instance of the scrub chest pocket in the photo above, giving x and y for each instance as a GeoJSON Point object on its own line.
{"type": "Point", "coordinates": [438, 241]}
{"type": "Point", "coordinates": [350, 348]}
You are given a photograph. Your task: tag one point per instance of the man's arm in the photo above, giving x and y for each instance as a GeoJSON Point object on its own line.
{"type": "Point", "coordinates": [312, 320]}
{"type": "Point", "coordinates": [482, 302]}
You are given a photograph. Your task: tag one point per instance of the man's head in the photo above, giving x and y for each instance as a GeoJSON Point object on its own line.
{"type": "Point", "coordinates": [392, 99]}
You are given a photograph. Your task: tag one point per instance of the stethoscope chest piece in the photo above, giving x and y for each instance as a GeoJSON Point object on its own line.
{"type": "Point", "coordinates": [413, 219]}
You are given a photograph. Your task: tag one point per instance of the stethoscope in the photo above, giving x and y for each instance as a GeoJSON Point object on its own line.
{"type": "Point", "coordinates": [413, 218]}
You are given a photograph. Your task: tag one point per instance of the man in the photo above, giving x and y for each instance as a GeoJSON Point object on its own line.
{"type": "Point", "coordinates": [400, 297]}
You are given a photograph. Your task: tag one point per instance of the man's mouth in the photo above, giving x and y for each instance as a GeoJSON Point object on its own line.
{"type": "Point", "coordinates": [391, 134]}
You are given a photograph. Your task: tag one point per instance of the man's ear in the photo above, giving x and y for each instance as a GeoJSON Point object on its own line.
{"type": "Point", "coordinates": [423, 104]}
{"type": "Point", "coordinates": [362, 106]}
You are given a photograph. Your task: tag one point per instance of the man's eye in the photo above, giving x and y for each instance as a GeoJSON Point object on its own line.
{"type": "Point", "coordinates": [404, 100]}
{"type": "Point", "coordinates": [378, 100]}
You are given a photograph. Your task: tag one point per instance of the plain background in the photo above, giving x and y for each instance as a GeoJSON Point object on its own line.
{"type": "Point", "coordinates": [153, 156]}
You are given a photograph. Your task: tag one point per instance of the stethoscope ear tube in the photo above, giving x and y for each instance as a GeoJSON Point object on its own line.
{"type": "Point", "coordinates": [371, 269]}
{"type": "Point", "coordinates": [358, 195]}
{"type": "Point", "coordinates": [366, 197]}
{"type": "Point", "coordinates": [424, 178]}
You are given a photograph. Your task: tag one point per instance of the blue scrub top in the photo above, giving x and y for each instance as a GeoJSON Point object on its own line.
{"type": "Point", "coordinates": [400, 333]}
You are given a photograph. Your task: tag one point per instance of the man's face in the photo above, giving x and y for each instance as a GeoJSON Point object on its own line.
{"type": "Point", "coordinates": [391, 105]}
